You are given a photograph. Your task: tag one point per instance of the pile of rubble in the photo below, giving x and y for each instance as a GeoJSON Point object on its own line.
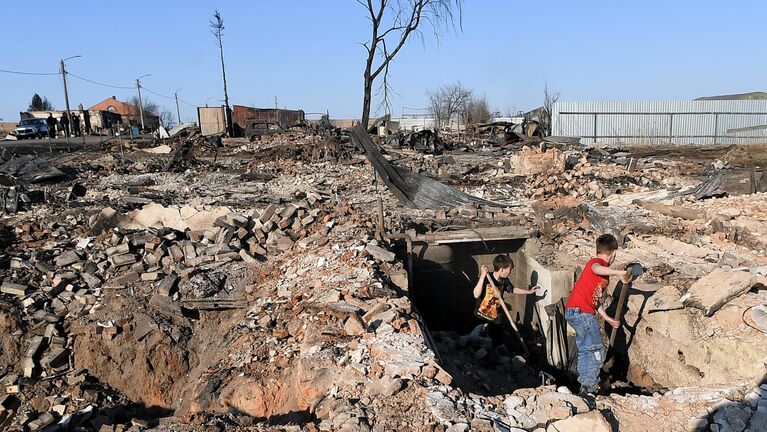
{"type": "Point", "coordinates": [248, 285]}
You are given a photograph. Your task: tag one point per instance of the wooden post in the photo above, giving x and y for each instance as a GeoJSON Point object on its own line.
{"type": "Point", "coordinates": [619, 311]}
{"type": "Point", "coordinates": [508, 315]}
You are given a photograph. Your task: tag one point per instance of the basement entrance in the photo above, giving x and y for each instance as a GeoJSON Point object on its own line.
{"type": "Point", "coordinates": [445, 270]}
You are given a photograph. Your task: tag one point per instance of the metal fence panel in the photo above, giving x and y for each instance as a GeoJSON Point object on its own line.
{"type": "Point", "coordinates": [212, 120]}
{"type": "Point", "coordinates": [650, 122]}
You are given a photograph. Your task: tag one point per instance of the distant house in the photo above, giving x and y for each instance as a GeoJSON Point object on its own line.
{"type": "Point", "coordinates": [129, 113]}
{"type": "Point", "coordinates": [737, 96]}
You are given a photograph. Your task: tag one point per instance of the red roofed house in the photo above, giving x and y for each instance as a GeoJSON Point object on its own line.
{"type": "Point", "coordinates": [128, 112]}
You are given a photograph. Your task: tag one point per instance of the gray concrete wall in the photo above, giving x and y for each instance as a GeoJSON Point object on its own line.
{"type": "Point", "coordinates": [529, 310]}
{"type": "Point", "coordinates": [445, 275]}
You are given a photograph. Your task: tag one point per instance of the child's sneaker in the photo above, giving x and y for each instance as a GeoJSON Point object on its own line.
{"type": "Point", "coordinates": [585, 392]}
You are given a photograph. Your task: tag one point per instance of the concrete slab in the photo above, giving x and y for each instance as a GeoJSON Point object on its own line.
{"type": "Point", "coordinates": [713, 291]}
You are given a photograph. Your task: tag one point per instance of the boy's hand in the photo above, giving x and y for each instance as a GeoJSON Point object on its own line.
{"type": "Point", "coordinates": [535, 288]}
{"type": "Point", "coordinates": [483, 271]}
{"type": "Point", "coordinates": [613, 322]}
{"type": "Point", "coordinates": [626, 277]}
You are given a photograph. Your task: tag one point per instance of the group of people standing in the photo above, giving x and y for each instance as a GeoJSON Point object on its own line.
{"type": "Point", "coordinates": [63, 125]}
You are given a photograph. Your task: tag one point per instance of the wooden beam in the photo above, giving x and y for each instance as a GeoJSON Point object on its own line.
{"type": "Point", "coordinates": [673, 211]}
{"type": "Point", "coordinates": [478, 234]}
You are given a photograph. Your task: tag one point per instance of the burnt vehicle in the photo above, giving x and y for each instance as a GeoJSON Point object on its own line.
{"type": "Point", "coordinates": [255, 129]}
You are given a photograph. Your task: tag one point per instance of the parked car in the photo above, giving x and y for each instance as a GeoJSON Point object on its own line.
{"type": "Point", "coordinates": [31, 128]}
{"type": "Point", "coordinates": [257, 128]}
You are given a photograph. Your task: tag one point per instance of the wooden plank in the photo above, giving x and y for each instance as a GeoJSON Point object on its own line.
{"type": "Point", "coordinates": [673, 211]}
{"type": "Point", "coordinates": [477, 234]}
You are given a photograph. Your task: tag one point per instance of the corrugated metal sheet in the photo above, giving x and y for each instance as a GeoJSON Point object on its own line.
{"type": "Point", "coordinates": [414, 124]}
{"type": "Point", "coordinates": [661, 122]}
{"type": "Point", "coordinates": [212, 120]}
{"type": "Point", "coordinates": [286, 118]}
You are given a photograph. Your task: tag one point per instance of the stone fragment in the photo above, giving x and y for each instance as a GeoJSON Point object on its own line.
{"type": "Point", "coordinates": [167, 285]}
{"type": "Point", "coordinates": [386, 386]}
{"type": "Point", "coordinates": [151, 276]}
{"type": "Point", "coordinates": [759, 315]}
{"type": "Point", "coordinates": [267, 213]}
{"type": "Point", "coordinates": [442, 407]}
{"type": "Point", "coordinates": [354, 325]}
{"type": "Point", "coordinates": [714, 290]}
{"type": "Point", "coordinates": [458, 427]}
{"type": "Point", "coordinates": [42, 421]}
{"type": "Point", "coordinates": [124, 280]}
{"type": "Point", "coordinates": [67, 258]}
{"type": "Point", "coordinates": [55, 358]}
{"type": "Point", "coordinates": [122, 260]}
{"type": "Point", "coordinates": [91, 280]}
{"type": "Point", "coordinates": [732, 417]}
{"type": "Point", "coordinates": [404, 369]}
{"type": "Point", "coordinates": [120, 249]}
{"type": "Point", "coordinates": [592, 421]}
{"type": "Point", "coordinates": [555, 406]}
{"type": "Point", "coordinates": [443, 377]}
{"type": "Point", "coordinates": [758, 420]}
{"type": "Point", "coordinates": [13, 289]}
{"type": "Point", "coordinates": [247, 258]}
{"type": "Point", "coordinates": [380, 253]}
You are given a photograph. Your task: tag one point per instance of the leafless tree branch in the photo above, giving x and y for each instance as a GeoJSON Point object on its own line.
{"type": "Point", "coordinates": [393, 23]}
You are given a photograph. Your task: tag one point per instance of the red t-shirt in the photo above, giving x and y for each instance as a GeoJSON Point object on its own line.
{"type": "Point", "coordinates": [587, 291]}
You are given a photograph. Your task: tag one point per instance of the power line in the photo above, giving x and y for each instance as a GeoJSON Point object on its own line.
{"type": "Point", "coordinates": [98, 83]}
{"type": "Point", "coordinates": [28, 73]}
{"type": "Point", "coordinates": [185, 102]}
{"type": "Point", "coordinates": [168, 97]}
{"type": "Point", "coordinates": [158, 94]}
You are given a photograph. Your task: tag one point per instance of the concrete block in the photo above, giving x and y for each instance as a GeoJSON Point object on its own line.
{"type": "Point", "coordinates": [120, 249]}
{"type": "Point", "coordinates": [122, 260]}
{"type": "Point", "coordinates": [13, 289]}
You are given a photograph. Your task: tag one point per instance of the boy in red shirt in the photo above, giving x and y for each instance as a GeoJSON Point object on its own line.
{"type": "Point", "coordinates": [581, 309]}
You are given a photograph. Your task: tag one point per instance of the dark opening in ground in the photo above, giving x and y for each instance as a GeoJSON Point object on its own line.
{"type": "Point", "coordinates": [443, 279]}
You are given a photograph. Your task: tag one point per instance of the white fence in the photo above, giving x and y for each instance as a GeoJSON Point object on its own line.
{"type": "Point", "coordinates": [681, 122]}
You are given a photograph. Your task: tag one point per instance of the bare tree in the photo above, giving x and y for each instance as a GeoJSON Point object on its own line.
{"type": "Point", "coordinates": [476, 111]}
{"type": "Point", "coordinates": [549, 98]}
{"type": "Point", "coordinates": [167, 119]}
{"type": "Point", "coordinates": [393, 22]}
{"type": "Point", "coordinates": [148, 106]}
{"type": "Point", "coordinates": [217, 28]}
{"type": "Point", "coordinates": [40, 104]}
{"type": "Point", "coordinates": [447, 101]}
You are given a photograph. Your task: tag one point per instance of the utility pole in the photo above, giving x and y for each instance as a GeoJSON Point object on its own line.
{"type": "Point", "coordinates": [66, 100]}
{"type": "Point", "coordinates": [140, 108]}
{"type": "Point", "coordinates": [275, 102]}
{"type": "Point", "coordinates": [178, 111]}
{"type": "Point", "coordinates": [217, 28]}
{"type": "Point", "coordinates": [66, 93]}
{"type": "Point", "coordinates": [140, 103]}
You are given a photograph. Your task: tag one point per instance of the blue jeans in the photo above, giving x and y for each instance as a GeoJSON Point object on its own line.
{"type": "Point", "coordinates": [591, 351]}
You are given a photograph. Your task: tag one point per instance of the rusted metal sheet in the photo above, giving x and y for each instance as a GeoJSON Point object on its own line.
{"type": "Point", "coordinates": [413, 190]}
{"type": "Point", "coordinates": [241, 115]}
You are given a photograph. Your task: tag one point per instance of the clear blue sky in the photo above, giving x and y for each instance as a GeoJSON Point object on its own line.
{"type": "Point", "coordinates": [308, 53]}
